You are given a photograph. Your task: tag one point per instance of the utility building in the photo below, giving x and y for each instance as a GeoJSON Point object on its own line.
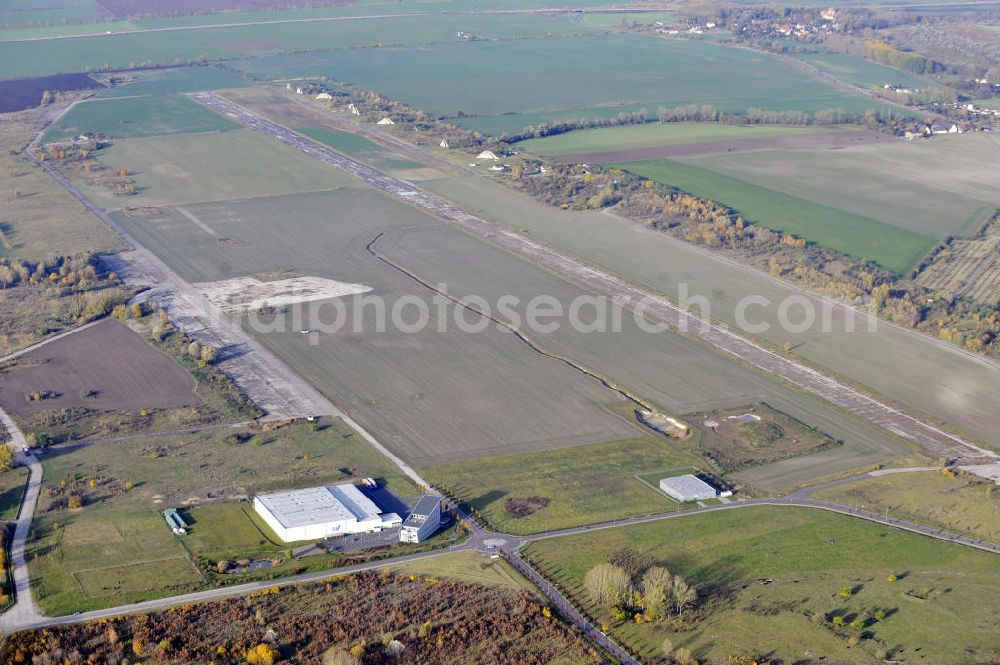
{"type": "Point", "coordinates": [423, 520]}
{"type": "Point", "coordinates": [321, 512]}
{"type": "Point", "coordinates": [688, 488]}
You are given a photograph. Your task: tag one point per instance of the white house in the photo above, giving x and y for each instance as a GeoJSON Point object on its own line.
{"type": "Point", "coordinates": [353, 109]}
{"type": "Point", "coordinates": [385, 121]}
{"type": "Point", "coordinates": [487, 154]}
{"type": "Point", "coordinates": [423, 520]}
{"type": "Point", "coordinates": [324, 97]}
{"type": "Point", "coordinates": [443, 143]}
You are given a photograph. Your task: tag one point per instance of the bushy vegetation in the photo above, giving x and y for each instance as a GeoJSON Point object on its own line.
{"type": "Point", "coordinates": [364, 619]}
{"type": "Point", "coordinates": [41, 297]}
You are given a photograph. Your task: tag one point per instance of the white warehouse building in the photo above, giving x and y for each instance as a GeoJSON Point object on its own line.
{"type": "Point", "coordinates": [321, 512]}
{"type": "Point", "coordinates": [689, 488]}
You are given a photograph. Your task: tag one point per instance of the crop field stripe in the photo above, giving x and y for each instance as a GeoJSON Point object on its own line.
{"type": "Point", "coordinates": [858, 237]}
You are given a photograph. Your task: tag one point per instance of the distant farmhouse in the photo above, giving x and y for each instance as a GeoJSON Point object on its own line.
{"type": "Point", "coordinates": [690, 488]}
{"type": "Point", "coordinates": [385, 121]}
{"type": "Point", "coordinates": [322, 512]}
{"type": "Point", "coordinates": [487, 154]}
{"type": "Point", "coordinates": [423, 520]}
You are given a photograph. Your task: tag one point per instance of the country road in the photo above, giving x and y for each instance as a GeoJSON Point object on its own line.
{"type": "Point", "coordinates": [934, 440]}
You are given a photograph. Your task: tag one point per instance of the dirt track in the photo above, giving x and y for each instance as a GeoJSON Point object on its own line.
{"type": "Point", "coordinates": [820, 140]}
{"type": "Point", "coordinates": [117, 364]}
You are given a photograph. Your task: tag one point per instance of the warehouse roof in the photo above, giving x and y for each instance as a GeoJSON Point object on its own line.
{"type": "Point", "coordinates": [319, 505]}
{"type": "Point", "coordinates": [687, 485]}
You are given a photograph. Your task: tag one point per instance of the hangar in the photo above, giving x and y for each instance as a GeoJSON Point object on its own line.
{"type": "Point", "coordinates": [321, 512]}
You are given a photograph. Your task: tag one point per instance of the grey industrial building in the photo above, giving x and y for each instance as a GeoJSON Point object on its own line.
{"type": "Point", "coordinates": [423, 520]}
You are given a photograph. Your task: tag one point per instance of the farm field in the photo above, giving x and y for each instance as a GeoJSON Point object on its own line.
{"type": "Point", "coordinates": [967, 266]}
{"type": "Point", "coordinates": [43, 220]}
{"type": "Point", "coordinates": [934, 188]}
{"type": "Point", "coordinates": [173, 80]}
{"type": "Point", "coordinates": [20, 94]}
{"type": "Point", "coordinates": [127, 51]}
{"type": "Point", "coordinates": [564, 488]}
{"type": "Point", "coordinates": [106, 367]}
{"type": "Point", "coordinates": [186, 168]}
{"type": "Point", "coordinates": [499, 396]}
{"type": "Point", "coordinates": [966, 504]}
{"type": "Point", "coordinates": [138, 117]}
{"type": "Point", "coordinates": [863, 238]}
{"type": "Point", "coordinates": [967, 385]}
{"type": "Point", "coordinates": [677, 375]}
{"type": "Point", "coordinates": [11, 491]}
{"type": "Point", "coordinates": [488, 78]}
{"type": "Point", "coordinates": [655, 134]}
{"type": "Point", "coordinates": [862, 72]}
{"type": "Point", "coordinates": [936, 609]}
{"type": "Point", "coordinates": [117, 548]}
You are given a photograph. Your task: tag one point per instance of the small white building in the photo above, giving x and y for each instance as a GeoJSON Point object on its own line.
{"type": "Point", "coordinates": [487, 154]}
{"type": "Point", "coordinates": [688, 488]}
{"type": "Point", "coordinates": [443, 143]}
{"type": "Point", "coordinates": [423, 520]}
{"type": "Point", "coordinates": [324, 97]}
{"type": "Point", "coordinates": [321, 512]}
{"type": "Point", "coordinates": [352, 107]}
{"type": "Point", "coordinates": [385, 121]}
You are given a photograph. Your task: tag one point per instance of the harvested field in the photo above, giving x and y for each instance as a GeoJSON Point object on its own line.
{"type": "Point", "coordinates": [499, 396]}
{"type": "Point", "coordinates": [933, 188]}
{"type": "Point", "coordinates": [967, 267]}
{"type": "Point", "coordinates": [863, 238]}
{"type": "Point", "coordinates": [967, 387]}
{"type": "Point", "coordinates": [753, 435]}
{"type": "Point", "coordinates": [105, 367]}
{"type": "Point", "coordinates": [24, 93]}
{"type": "Point", "coordinates": [831, 140]}
{"type": "Point", "coordinates": [247, 293]}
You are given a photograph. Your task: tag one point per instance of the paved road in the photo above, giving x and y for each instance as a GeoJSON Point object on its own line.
{"type": "Point", "coordinates": [932, 439]}
{"type": "Point", "coordinates": [24, 610]}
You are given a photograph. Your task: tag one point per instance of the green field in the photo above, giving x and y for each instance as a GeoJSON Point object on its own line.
{"type": "Point", "coordinates": [862, 72]}
{"type": "Point", "coordinates": [124, 51]}
{"type": "Point", "coordinates": [11, 492]}
{"type": "Point", "coordinates": [663, 263]}
{"type": "Point", "coordinates": [502, 80]}
{"type": "Point", "coordinates": [138, 117]}
{"type": "Point", "coordinates": [358, 146]}
{"type": "Point", "coordinates": [934, 188]}
{"type": "Point", "coordinates": [606, 139]}
{"type": "Point", "coordinates": [186, 168]}
{"type": "Point", "coordinates": [943, 607]}
{"type": "Point", "coordinates": [470, 567]}
{"type": "Point", "coordinates": [117, 548]}
{"type": "Point", "coordinates": [967, 504]}
{"type": "Point", "coordinates": [860, 237]}
{"type": "Point", "coordinates": [583, 485]}
{"type": "Point", "coordinates": [175, 80]}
